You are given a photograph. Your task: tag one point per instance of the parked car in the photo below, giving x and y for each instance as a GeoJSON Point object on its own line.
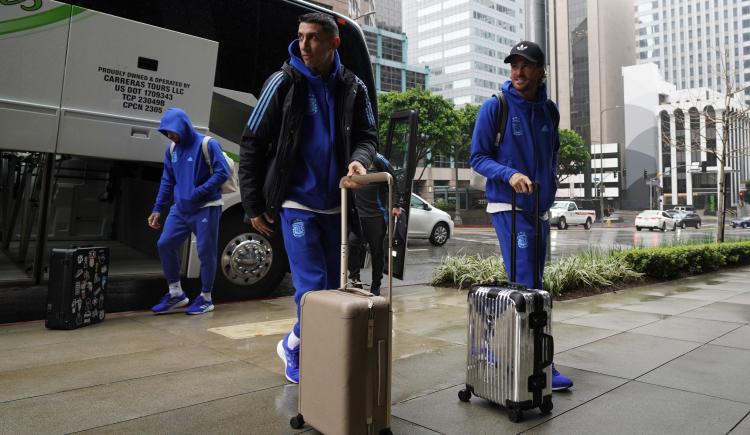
{"type": "Point", "coordinates": [428, 222]}
{"type": "Point", "coordinates": [742, 222]}
{"type": "Point", "coordinates": [654, 220]}
{"type": "Point", "coordinates": [685, 219]}
{"type": "Point", "coordinates": [566, 213]}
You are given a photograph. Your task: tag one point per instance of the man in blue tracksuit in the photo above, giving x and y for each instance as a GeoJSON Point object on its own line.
{"type": "Point", "coordinates": [527, 151]}
{"type": "Point", "coordinates": [196, 190]}
{"type": "Point", "coordinates": [312, 125]}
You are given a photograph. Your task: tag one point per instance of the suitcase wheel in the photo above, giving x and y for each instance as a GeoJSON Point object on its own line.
{"type": "Point", "coordinates": [546, 407]}
{"type": "Point", "coordinates": [297, 422]}
{"type": "Point", "coordinates": [464, 395]}
{"type": "Point", "coordinates": [515, 415]}
{"type": "Point", "coordinates": [386, 431]}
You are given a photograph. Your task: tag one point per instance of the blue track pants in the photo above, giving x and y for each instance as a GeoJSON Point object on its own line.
{"type": "Point", "coordinates": [313, 245]}
{"type": "Point", "coordinates": [524, 245]}
{"type": "Point", "coordinates": [177, 228]}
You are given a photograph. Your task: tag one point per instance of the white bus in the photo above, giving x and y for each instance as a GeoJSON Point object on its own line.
{"type": "Point", "coordinates": [84, 83]}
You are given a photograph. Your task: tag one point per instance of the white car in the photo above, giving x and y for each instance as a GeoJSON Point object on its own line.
{"type": "Point", "coordinates": [655, 220]}
{"type": "Point", "coordinates": [428, 222]}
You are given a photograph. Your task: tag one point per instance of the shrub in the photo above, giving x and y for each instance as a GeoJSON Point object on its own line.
{"type": "Point", "coordinates": [588, 269]}
{"type": "Point", "coordinates": [599, 269]}
{"type": "Point", "coordinates": [677, 261]}
{"type": "Point", "coordinates": [443, 205]}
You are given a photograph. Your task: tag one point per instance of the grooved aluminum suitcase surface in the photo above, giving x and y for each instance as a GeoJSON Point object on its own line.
{"type": "Point", "coordinates": [500, 357]}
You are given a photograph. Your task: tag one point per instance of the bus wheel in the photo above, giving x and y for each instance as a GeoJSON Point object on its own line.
{"type": "Point", "coordinates": [250, 265]}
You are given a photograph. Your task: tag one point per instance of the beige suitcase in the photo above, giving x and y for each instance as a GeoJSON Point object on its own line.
{"type": "Point", "coordinates": [345, 353]}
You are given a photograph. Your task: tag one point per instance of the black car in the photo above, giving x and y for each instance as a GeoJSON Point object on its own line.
{"type": "Point", "coordinates": [690, 219]}
{"type": "Point", "coordinates": [684, 219]}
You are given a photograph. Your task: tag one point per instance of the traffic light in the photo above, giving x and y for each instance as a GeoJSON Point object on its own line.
{"type": "Point", "coordinates": [645, 175]}
{"type": "Point", "coordinates": [704, 165]}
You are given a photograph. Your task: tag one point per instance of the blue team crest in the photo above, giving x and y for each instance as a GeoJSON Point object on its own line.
{"type": "Point", "coordinates": [298, 228]}
{"type": "Point", "coordinates": [190, 159]}
{"type": "Point", "coordinates": [522, 240]}
{"type": "Point", "coordinates": [545, 129]}
{"type": "Point", "coordinates": [312, 104]}
{"type": "Point", "coordinates": [515, 124]}
{"type": "Point", "coordinates": [204, 220]}
{"type": "Point", "coordinates": [174, 157]}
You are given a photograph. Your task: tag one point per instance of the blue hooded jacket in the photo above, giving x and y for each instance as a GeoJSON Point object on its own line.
{"type": "Point", "coordinates": [529, 146]}
{"type": "Point", "coordinates": [315, 177]}
{"type": "Point", "coordinates": [186, 172]}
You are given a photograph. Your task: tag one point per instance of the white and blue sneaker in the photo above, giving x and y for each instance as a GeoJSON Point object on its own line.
{"type": "Point", "coordinates": [290, 358]}
{"type": "Point", "coordinates": [170, 304]}
{"type": "Point", "coordinates": [200, 305]}
{"type": "Point", "coordinates": [560, 382]}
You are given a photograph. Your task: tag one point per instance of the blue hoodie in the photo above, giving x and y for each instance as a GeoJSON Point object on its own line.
{"type": "Point", "coordinates": [529, 146]}
{"type": "Point", "coordinates": [186, 172]}
{"type": "Point", "coordinates": [315, 173]}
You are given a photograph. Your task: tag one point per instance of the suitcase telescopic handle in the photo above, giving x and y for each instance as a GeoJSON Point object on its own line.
{"type": "Point", "coordinates": [378, 177]}
{"type": "Point", "coordinates": [537, 238]}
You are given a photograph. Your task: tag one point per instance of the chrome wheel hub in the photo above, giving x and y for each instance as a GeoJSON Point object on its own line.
{"type": "Point", "coordinates": [246, 259]}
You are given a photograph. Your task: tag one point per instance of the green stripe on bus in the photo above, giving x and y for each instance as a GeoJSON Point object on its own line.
{"type": "Point", "coordinates": [38, 20]}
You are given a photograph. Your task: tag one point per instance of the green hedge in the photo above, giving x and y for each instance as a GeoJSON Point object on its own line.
{"type": "Point", "coordinates": [599, 269]}
{"type": "Point", "coordinates": [677, 261]}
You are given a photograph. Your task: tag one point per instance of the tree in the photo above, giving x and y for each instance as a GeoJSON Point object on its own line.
{"type": "Point", "coordinates": [467, 118]}
{"type": "Point", "coordinates": [573, 155]}
{"type": "Point", "coordinates": [439, 123]}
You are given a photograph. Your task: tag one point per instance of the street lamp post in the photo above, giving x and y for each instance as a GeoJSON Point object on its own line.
{"type": "Point", "coordinates": [600, 188]}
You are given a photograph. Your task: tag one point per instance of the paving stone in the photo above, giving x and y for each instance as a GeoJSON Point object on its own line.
{"type": "Point", "coordinates": [697, 372]}
{"type": "Point", "coordinates": [685, 328]}
{"type": "Point", "coordinates": [638, 408]}
{"type": "Point", "coordinates": [625, 355]}
{"type": "Point", "coordinates": [443, 412]}
{"type": "Point", "coordinates": [740, 337]}
{"type": "Point", "coordinates": [618, 320]}
{"type": "Point", "coordinates": [723, 311]}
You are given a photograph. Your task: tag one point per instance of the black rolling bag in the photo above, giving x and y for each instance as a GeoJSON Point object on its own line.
{"type": "Point", "coordinates": [77, 287]}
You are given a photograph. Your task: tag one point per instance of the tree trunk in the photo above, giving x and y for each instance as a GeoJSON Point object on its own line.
{"type": "Point", "coordinates": [721, 185]}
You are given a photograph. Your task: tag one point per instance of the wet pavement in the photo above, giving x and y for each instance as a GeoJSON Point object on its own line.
{"type": "Point", "coordinates": [668, 358]}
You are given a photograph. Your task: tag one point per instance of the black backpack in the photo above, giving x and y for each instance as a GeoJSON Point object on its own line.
{"type": "Point", "coordinates": [502, 117]}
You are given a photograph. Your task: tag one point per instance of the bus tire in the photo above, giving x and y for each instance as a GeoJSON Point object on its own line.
{"type": "Point", "coordinates": [249, 264]}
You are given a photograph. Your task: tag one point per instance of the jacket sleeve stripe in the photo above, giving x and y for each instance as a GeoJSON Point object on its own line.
{"type": "Point", "coordinates": [368, 108]}
{"type": "Point", "coordinates": [265, 98]}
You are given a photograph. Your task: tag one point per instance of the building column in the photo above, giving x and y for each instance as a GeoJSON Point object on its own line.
{"type": "Point", "coordinates": [673, 156]}
{"type": "Point", "coordinates": [688, 161]}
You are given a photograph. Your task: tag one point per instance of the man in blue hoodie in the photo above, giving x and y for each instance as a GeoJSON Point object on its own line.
{"type": "Point", "coordinates": [196, 190]}
{"type": "Point", "coordinates": [527, 151]}
{"type": "Point", "coordinates": [312, 125]}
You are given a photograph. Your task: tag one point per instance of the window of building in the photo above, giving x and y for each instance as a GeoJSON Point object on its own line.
{"type": "Point", "coordinates": [390, 79]}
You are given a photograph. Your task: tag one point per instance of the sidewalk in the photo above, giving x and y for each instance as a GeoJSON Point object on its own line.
{"type": "Point", "coordinates": [670, 358]}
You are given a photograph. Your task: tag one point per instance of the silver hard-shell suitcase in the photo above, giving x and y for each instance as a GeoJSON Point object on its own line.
{"type": "Point", "coordinates": [510, 346]}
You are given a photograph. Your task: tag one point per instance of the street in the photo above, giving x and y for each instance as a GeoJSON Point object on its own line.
{"type": "Point", "coordinates": [423, 257]}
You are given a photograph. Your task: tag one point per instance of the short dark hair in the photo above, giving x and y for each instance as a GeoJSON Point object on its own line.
{"type": "Point", "coordinates": [324, 20]}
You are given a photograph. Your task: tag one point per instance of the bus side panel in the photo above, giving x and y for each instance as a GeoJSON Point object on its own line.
{"type": "Point", "coordinates": [32, 49]}
{"type": "Point", "coordinates": [121, 76]}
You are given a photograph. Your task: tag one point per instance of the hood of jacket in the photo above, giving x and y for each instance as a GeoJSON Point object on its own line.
{"type": "Point", "coordinates": [510, 92]}
{"type": "Point", "coordinates": [295, 60]}
{"type": "Point", "coordinates": [177, 121]}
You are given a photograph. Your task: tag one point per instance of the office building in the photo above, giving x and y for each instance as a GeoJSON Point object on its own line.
{"type": "Point", "coordinates": [464, 43]}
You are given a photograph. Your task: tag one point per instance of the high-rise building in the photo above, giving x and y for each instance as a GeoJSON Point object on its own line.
{"type": "Point", "coordinates": [587, 47]}
{"type": "Point", "coordinates": [464, 43]}
{"type": "Point", "coordinates": [389, 61]}
{"type": "Point", "coordinates": [696, 43]}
